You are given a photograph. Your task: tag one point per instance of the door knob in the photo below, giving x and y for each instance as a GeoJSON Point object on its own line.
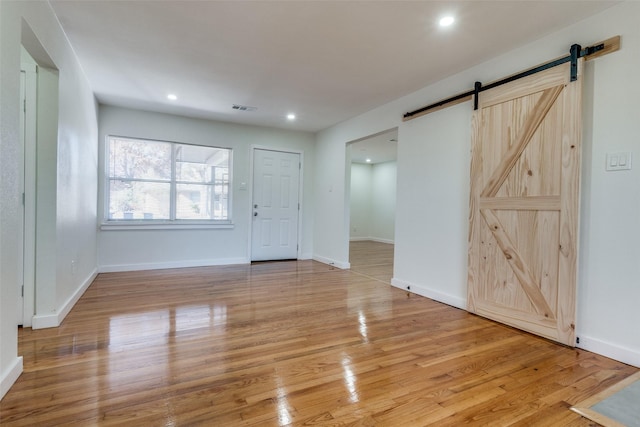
{"type": "Point", "coordinates": [255, 214]}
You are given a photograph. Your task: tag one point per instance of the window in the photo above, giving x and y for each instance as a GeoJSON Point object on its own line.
{"type": "Point", "coordinates": [160, 181]}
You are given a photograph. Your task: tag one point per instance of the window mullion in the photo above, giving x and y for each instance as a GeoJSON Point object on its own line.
{"type": "Point", "coordinates": [212, 200]}
{"type": "Point", "coordinates": [173, 195]}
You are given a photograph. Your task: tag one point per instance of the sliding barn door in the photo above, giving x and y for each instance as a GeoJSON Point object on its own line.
{"type": "Point", "coordinates": [523, 224]}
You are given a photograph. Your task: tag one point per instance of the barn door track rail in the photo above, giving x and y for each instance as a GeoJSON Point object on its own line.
{"type": "Point", "coordinates": [576, 52]}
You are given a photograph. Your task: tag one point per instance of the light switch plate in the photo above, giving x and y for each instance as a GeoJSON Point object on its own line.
{"type": "Point", "coordinates": [618, 161]}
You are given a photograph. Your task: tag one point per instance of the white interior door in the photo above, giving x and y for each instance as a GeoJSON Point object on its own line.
{"type": "Point", "coordinates": [276, 182]}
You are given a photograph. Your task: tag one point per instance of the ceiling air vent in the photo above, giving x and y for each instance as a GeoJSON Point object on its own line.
{"type": "Point", "coordinates": [243, 107]}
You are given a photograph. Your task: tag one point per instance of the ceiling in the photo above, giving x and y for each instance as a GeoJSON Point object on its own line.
{"type": "Point", "coordinates": [325, 61]}
{"type": "Point", "coordinates": [378, 149]}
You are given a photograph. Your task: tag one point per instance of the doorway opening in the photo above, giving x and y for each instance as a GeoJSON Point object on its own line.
{"type": "Point", "coordinates": [371, 188]}
{"type": "Point", "coordinates": [38, 178]}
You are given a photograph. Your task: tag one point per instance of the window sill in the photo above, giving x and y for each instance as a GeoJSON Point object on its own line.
{"type": "Point", "coordinates": [141, 225]}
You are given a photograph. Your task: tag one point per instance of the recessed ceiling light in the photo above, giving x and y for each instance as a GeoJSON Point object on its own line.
{"type": "Point", "coordinates": [368, 160]}
{"type": "Point", "coordinates": [291, 116]}
{"type": "Point", "coordinates": [446, 21]}
{"type": "Point", "coordinates": [172, 97]}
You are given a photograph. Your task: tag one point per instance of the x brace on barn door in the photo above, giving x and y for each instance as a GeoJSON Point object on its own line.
{"type": "Point", "coordinates": [576, 52]}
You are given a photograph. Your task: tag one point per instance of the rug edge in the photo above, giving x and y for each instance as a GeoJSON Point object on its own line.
{"type": "Point", "coordinates": [584, 407]}
{"type": "Point", "coordinates": [597, 417]}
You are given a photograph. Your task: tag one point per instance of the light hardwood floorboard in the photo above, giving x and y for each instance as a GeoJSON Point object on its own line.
{"type": "Point", "coordinates": [373, 259]}
{"type": "Point", "coordinates": [289, 343]}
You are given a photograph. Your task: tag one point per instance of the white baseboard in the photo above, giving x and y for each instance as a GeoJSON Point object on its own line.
{"type": "Point", "coordinates": [340, 264]}
{"type": "Point", "coordinates": [610, 350]}
{"type": "Point", "coordinates": [604, 348]}
{"type": "Point", "coordinates": [305, 256]}
{"type": "Point", "coordinates": [73, 299]}
{"type": "Point", "coordinates": [371, 239]}
{"type": "Point", "coordinates": [442, 297]}
{"type": "Point", "coordinates": [10, 376]}
{"type": "Point", "coordinates": [389, 241]}
{"type": "Point", "coordinates": [174, 264]}
{"type": "Point", "coordinates": [43, 321]}
{"type": "Point", "coordinates": [53, 320]}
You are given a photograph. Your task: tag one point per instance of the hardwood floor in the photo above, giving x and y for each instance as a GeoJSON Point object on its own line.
{"type": "Point", "coordinates": [289, 343]}
{"type": "Point", "coordinates": [373, 259]}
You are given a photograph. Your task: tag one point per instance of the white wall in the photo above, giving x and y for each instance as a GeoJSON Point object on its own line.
{"type": "Point", "coordinates": [383, 201]}
{"type": "Point", "coordinates": [432, 205]}
{"type": "Point", "coordinates": [373, 201]}
{"type": "Point", "coordinates": [147, 249]}
{"type": "Point", "coordinates": [433, 164]}
{"type": "Point", "coordinates": [360, 212]}
{"type": "Point", "coordinates": [75, 165]}
{"type": "Point", "coordinates": [46, 195]}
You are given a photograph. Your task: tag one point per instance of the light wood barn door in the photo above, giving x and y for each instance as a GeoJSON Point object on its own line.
{"type": "Point", "coordinates": [523, 224]}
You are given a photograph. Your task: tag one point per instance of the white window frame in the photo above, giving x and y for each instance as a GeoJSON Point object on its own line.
{"type": "Point", "coordinates": [160, 224]}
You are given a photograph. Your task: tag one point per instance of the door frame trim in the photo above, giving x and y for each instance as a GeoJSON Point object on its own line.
{"type": "Point", "coordinates": [29, 185]}
{"type": "Point", "coordinates": [252, 151]}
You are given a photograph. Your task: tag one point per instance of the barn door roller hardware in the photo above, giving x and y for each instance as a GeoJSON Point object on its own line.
{"type": "Point", "coordinates": [576, 52]}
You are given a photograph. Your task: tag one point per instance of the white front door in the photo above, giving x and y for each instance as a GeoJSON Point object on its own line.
{"type": "Point", "coordinates": [276, 180]}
